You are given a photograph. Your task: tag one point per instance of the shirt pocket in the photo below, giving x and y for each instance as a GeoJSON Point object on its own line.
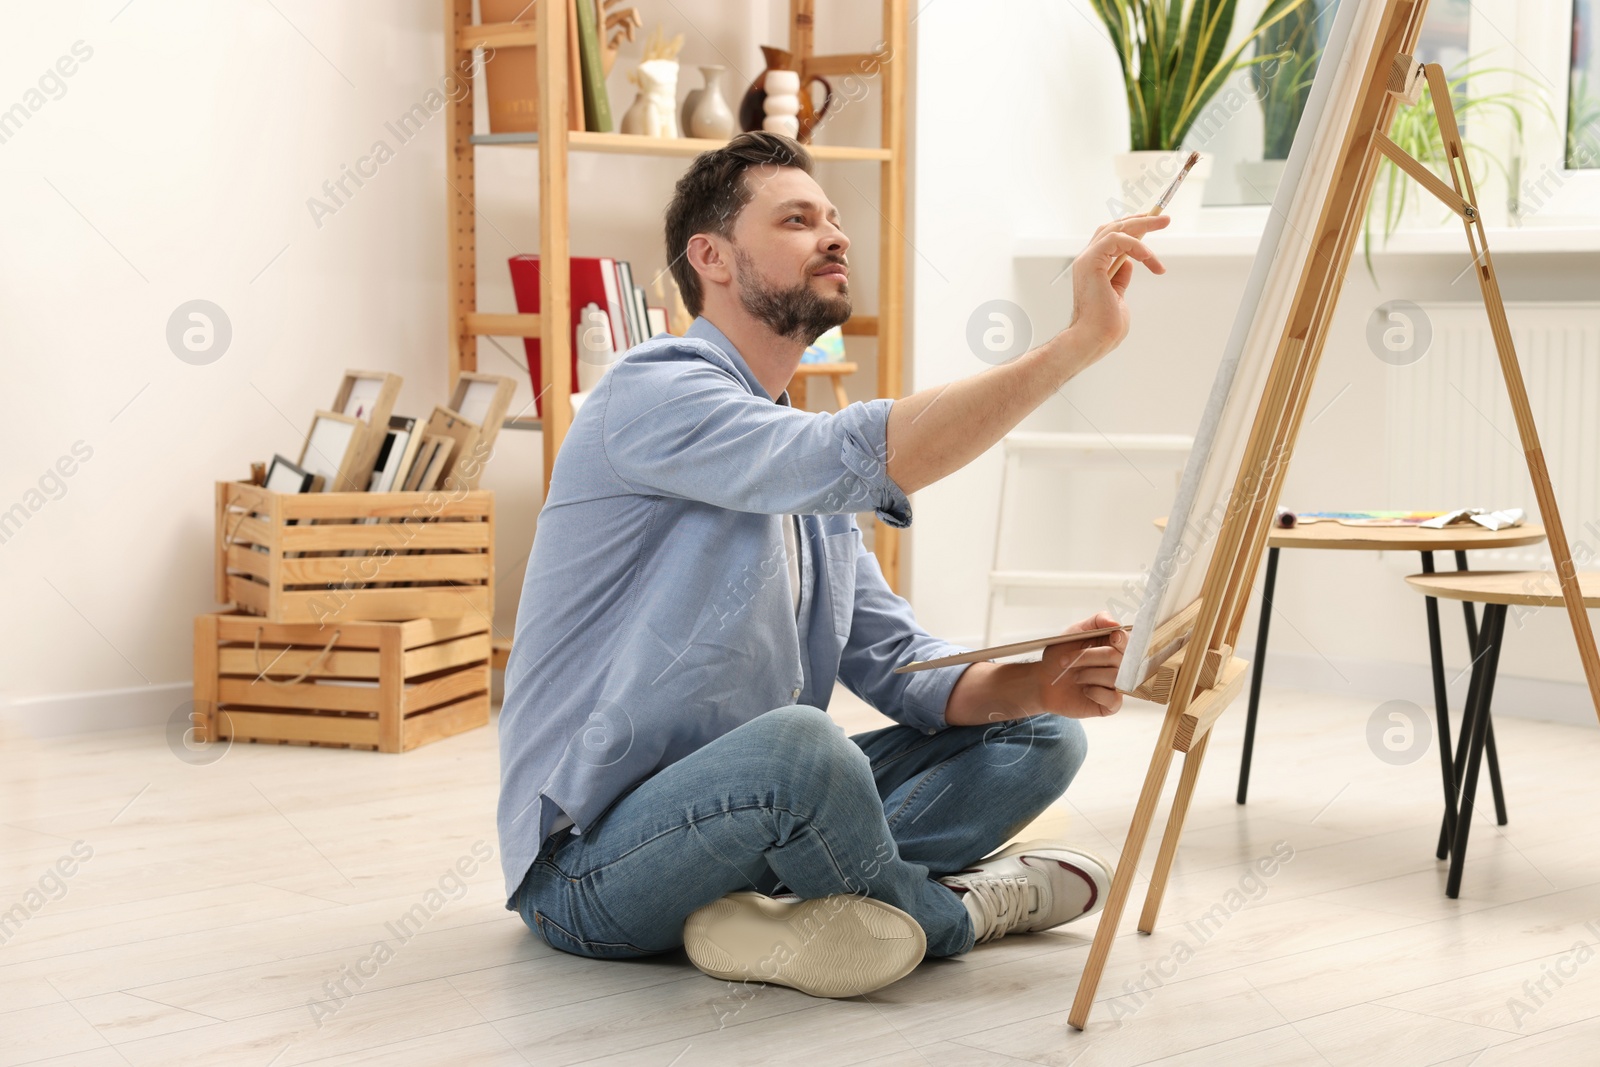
{"type": "Point", "coordinates": [839, 551]}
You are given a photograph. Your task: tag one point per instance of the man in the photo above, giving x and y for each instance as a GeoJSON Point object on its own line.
{"type": "Point", "coordinates": [698, 584]}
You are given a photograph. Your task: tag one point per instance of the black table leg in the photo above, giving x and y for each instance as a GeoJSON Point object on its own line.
{"type": "Point", "coordinates": [1494, 755]}
{"type": "Point", "coordinates": [1463, 739]}
{"type": "Point", "coordinates": [1441, 710]}
{"type": "Point", "coordinates": [1256, 671]}
{"type": "Point", "coordinates": [1492, 637]}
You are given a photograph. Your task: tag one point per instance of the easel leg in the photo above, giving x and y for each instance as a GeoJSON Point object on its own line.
{"type": "Point", "coordinates": [1267, 584]}
{"type": "Point", "coordinates": [1494, 617]}
{"type": "Point", "coordinates": [1494, 756]}
{"type": "Point", "coordinates": [1516, 388]}
{"type": "Point", "coordinates": [1441, 711]}
{"type": "Point", "coordinates": [1122, 880]}
{"type": "Point", "coordinates": [1169, 839]}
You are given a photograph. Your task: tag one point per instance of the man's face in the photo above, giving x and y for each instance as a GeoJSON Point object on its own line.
{"type": "Point", "coordinates": [789, 255]}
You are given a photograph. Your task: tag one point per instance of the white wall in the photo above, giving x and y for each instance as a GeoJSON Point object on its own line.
{"type": "Point", "coordinates": [1016, 134]}
{"type": "Point", "coordinates": [176, 163]}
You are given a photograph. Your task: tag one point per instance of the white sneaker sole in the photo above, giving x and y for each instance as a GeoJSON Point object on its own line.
{"type": "Point", "coordinates": [1094, 868]}
{"type": "Point", "coordinates": [838, 946]}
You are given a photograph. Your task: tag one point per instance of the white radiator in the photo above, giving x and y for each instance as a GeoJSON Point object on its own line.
{"type": "Point", "coordinates": [1452, 439]}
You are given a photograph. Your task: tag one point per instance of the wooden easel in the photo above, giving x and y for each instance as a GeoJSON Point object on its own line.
{"type": "Point", "coordinates": [1201, 685]}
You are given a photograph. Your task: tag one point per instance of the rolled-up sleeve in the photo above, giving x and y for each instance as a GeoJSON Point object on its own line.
{"type": "Point", "coordinates": [686, 428]}
{"type": "Point", "coordinates": [884, 635]}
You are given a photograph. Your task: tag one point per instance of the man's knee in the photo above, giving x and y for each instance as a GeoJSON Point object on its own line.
{"type": "Point", "coordinates": [800, 723]}
{"type": "Point", "coordinates": [802, 740]}
{"type": "Point", "coordinates": [1072, 746]}
{"type": "Point", "coordinates": [1053, 749]}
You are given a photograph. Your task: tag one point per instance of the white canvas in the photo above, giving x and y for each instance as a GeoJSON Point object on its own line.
{"type": "Point", "coordinates": [1175, 578]}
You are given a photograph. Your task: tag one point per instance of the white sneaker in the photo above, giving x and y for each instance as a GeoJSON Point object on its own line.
{"type": "Point", "coordinates": [1029, 887]}
{"type": "Point", "coordinates": [837, 946]}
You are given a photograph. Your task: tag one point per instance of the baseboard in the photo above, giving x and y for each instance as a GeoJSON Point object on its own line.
{"type": "Point", "coordinates": [1522, 698]}
{"type": "Point", "coordinates": [89, 712]}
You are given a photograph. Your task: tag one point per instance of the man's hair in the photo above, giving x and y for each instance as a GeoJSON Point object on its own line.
{"type": "Point", "coordinates": [710, 195]}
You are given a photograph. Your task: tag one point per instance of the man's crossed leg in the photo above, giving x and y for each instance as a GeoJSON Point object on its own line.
{"type": "Point", "coordinates": [875, 840]}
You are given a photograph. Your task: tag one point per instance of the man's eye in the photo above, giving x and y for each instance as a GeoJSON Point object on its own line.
{"type": "Point", "coordinates": [795, 218]}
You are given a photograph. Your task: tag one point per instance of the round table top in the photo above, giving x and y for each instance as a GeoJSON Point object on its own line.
{"type": "Point", "coordinates": [1536, 588]}
{"type": "Point", "coordinates": [1466, 537]}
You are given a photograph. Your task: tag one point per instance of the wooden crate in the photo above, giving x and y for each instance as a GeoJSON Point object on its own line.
{"type": "Point", "coordinates": [388, 686]}
{"type": "Point", "coordinates": [351, 557]}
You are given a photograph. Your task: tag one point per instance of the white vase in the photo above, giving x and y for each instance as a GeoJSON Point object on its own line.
{"type": "Point", "coordinates": [1143, 176]}
{"type": "Point", "coordinates": [708, 115]}
{"type": "Point", "coordinates": [782, 103]}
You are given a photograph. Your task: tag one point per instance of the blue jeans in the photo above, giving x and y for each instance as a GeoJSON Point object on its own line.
{"type": "Point", "coordinates": [788, 798]}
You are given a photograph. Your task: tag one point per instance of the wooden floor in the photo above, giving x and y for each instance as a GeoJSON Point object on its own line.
{"type": "Point", "coordinates": [225, 903]}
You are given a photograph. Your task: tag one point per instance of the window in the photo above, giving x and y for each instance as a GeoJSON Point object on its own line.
{"type": "Point", "coordinates": [1583, 89]}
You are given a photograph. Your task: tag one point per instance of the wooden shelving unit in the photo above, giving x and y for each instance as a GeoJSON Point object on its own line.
{"type": "Point", "coordinates": [546, 28]}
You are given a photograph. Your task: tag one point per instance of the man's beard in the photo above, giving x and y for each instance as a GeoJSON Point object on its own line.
{"type": "Point", "coordinates": [798, 312]}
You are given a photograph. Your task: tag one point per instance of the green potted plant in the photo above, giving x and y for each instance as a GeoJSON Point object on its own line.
{"type": "Point", "coordinates": [1288, 54]}
{"type": "Point", "coordinates": [1175, 58]}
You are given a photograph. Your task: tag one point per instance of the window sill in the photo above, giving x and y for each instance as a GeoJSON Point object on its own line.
{"type": "Point", "coordinates": [1235, 232]}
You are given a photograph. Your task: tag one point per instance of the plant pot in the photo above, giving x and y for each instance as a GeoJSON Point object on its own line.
{"type": "Point", "coordinates": [1144, 176]}
{"type": "Point", "coordinates": [1259, 179]}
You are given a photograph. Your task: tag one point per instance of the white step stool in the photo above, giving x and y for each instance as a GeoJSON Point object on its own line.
{"type": "Point", "coordinates": [1084, 446]}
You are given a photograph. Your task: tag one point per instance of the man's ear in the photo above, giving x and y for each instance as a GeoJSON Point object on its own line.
{"type": "Point", "coordinates": [711, 257]}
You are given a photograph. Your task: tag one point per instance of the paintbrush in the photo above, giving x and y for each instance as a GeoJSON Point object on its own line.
{"type": "Point", "coordinates": [1161, 204]}
{"type": "Point", "coordinates": [979, 655]}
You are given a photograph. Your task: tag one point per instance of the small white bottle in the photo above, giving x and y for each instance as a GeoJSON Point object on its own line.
{"type": "Point", "coordinates": [596, 352]}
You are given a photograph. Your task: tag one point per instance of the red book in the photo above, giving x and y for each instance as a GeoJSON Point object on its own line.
{"type": "Point", "coordinates": [588, 287]}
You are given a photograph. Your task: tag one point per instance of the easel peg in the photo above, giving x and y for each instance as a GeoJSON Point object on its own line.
{"type": "Point", "coordinates": [1406, 79]}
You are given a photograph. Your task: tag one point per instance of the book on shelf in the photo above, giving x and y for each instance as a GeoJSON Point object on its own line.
{"type": "Point", "coordinates": [613, 304]}
{"type": "Point", "coordinates": [600, 280]}
{"type": "Point", "coordinates": [630, 312]}
{"type": "Point", "coordinates": [641, 314]}
{"type": "Point", "coordinates": [596, 101]}
{"type": "Point", "coordinates": [586, 279]}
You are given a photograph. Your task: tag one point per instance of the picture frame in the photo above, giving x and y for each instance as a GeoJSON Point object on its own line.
{"type": "Point", "coordinates": [429, 466]}
{"type": "Point", "coordinates": [464, 465]}
{"type": "Point", "coordinates": [284, 476]}
{"type": "Point", "coordinates": [333, 448]}
{"type": "Point", "coordinates": [367, 395]}
{"type": "Point", "coordinates": [483, 400]}
{"type": "Point", "coordinates": [396, 455]}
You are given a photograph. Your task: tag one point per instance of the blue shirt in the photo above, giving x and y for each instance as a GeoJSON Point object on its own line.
{"type": "Point", "coordinates": [656, 614]}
